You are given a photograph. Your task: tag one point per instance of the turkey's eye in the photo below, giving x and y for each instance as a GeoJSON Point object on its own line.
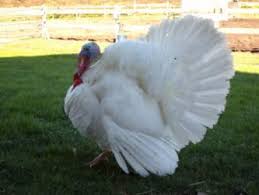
{"type": "Point", "coordinates": [86, 48]}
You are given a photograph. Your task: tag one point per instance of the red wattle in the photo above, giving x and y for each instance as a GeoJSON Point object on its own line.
{"type": "Point", "coordinates": [76, 80]}
{"type": "Point", "coordinates": [81, 68]}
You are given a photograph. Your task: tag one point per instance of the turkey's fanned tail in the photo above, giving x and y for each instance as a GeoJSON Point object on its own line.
{"type": "Point", "coordinates": [194, 75]}
{"type": "Point", "coordinates": [143, 153]}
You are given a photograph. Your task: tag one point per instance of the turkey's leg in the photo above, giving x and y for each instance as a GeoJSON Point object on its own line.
{"type": "Point", "coordinates": [101, 157]}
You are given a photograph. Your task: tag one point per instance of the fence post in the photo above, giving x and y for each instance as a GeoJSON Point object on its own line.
{"type": "Point", "coordinates": [134, 6]}
{"type": "Point", "coordinates": [167, 9]}
{"type": "Point", "coordinates": [116, 17]}
{"type": "Point", "coordinates": [44, 28]}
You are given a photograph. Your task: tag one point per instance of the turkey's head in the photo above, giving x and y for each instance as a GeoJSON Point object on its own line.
{"type": "Point", "coordinates": [88, 54]}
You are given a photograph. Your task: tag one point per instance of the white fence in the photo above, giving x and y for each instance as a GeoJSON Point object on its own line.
{"type": "Point", "coordinates": [103, 10]}
{"type": "Point", "coordinates": [95, 10]}
{"type": "Point", "coordinates": [39, 27]}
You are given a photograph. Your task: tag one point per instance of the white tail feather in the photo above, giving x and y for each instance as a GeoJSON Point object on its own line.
{"type": "Point", "coordinates": [196, 80]}
{"type": "Point", "coordinates": [145, 154]}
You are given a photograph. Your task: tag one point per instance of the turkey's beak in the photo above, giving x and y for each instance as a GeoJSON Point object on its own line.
{"type": "Point", "coordinates": [83, 64]}
{"type": "Point", "coordinates": [81, 61]}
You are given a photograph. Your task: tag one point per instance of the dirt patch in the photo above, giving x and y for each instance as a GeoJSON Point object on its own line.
{"type": "Point", "coordinates": [243, 42]}
{"type": "Point", "coordinates": [101, 38]}
{"type": "Point", "coordinates": [240, 23]}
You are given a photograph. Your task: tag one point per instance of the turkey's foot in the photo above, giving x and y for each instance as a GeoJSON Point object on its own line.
{"type": "Point", "coordinates": [101, 157]}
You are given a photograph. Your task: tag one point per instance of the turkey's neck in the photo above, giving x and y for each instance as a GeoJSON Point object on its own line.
{"type": "Point", "coordinates": [82, 67]}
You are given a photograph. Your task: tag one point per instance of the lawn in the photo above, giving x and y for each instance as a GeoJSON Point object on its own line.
{"type": "Point", "coordinates": [41, 153]}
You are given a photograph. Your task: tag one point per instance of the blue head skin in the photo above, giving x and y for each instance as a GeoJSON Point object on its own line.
{"type": "Point", "coordinates": [89, 52]}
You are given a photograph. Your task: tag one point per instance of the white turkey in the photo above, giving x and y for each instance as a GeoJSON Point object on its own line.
{"type": "Point", "coordinates": [145, 99]}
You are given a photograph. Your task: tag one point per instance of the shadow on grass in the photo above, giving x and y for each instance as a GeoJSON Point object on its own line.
{"type": "Point", "coordinates": [41, 153]}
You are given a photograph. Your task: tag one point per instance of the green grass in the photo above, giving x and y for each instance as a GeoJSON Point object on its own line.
{"type": "Point", "coordinates": [250, 6]}
{"type": "Point", "coordinates": [40, 152]}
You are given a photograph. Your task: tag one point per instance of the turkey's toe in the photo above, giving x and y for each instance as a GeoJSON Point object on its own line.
{"type": "Point", "coordinates": [101, 157]}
